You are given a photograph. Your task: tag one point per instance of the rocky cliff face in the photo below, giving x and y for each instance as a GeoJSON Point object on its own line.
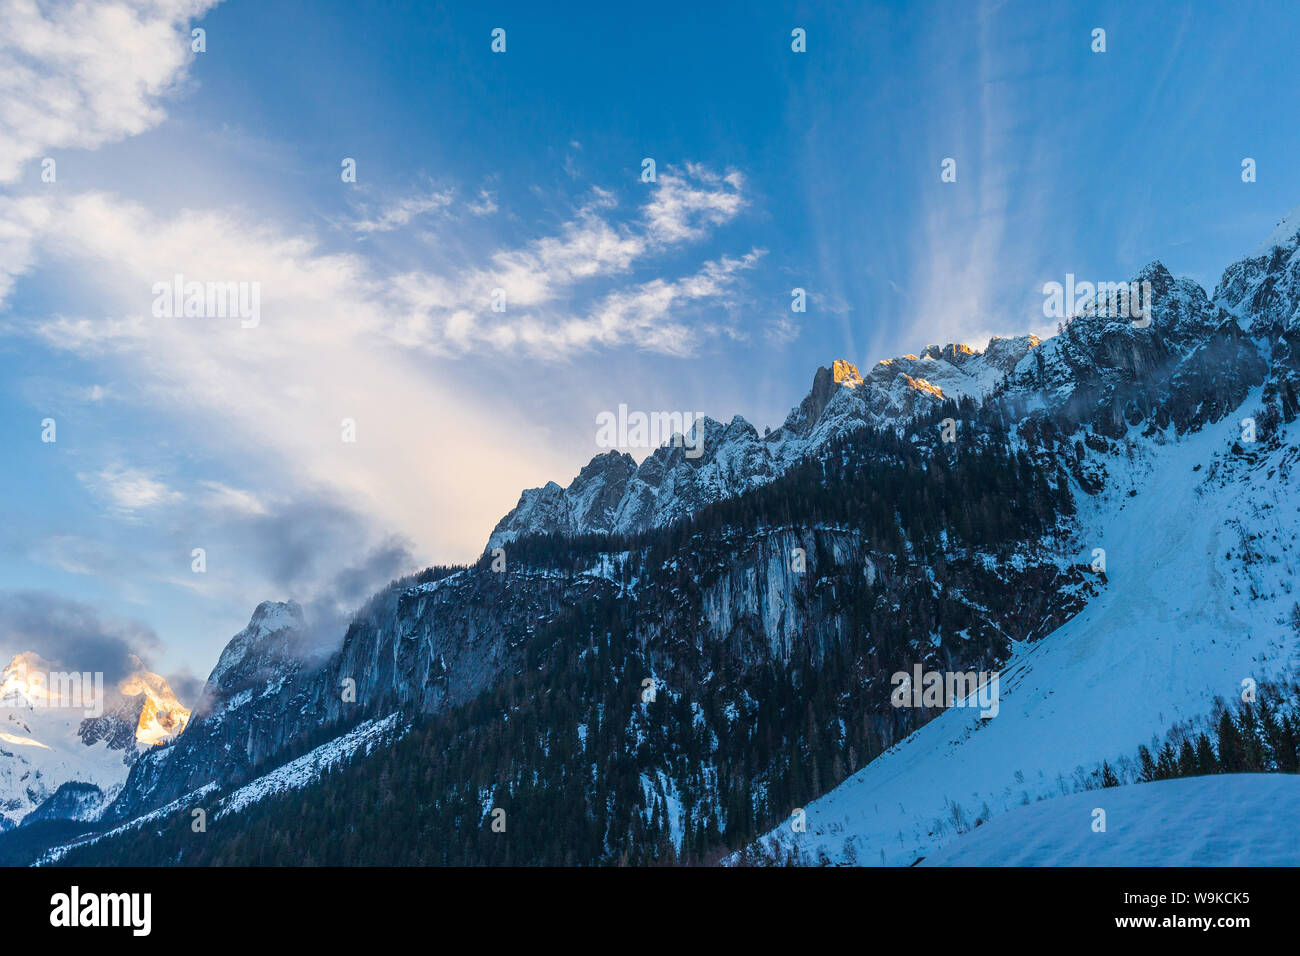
{"type": "Point", "coordinates": [613, 494]}
{"type": "Point", "coordinates": [417, 646]}
{"type": "Point", "coordinates": [1263, 292]}
{"type": "Point", "coordinates": [1107, 373]}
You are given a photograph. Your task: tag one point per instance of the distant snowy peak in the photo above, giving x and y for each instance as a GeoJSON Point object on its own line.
{"type": "Point", "coordinates": [141, 709]}
{"type": "Point", "coordinates": [1265, 286]}
{"type": "Point", "coordinates": [57, 729]}
{"type": "Point", "coordinates": [613, 494]}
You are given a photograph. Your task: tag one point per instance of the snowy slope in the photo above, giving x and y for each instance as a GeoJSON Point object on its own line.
{"type": "Point", "coordinates": [306, 769]}
{"type": "Point", "coordinates": [294, 775]}
{"type": "Point", "coordinates": [1221, 820]}
{"type": "Point", "coordinates": [40, 750]}
{"type": "Point", "coordinates": [1187, 614]}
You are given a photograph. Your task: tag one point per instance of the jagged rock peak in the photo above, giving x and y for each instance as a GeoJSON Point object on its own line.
{"type": "Point", "coordinates": [955, 353]}
{"type": "Point", "coordinates": [162, 715]}
{"type": "Point", "coordinates": [1263, 289]}
{"type": "Point", "coordinates": [844, 372]}
{"type": "Point", "coordinates": [613, 493]}
{"type": "Point", "coordinates": [1154, 272]}
{"type": "Point", "coordinates": [275, 615]}
{"type": "Point", "coordinates": [272, 635]}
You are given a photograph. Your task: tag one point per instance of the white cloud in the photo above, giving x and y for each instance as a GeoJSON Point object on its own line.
{"type": "Point", "coordinates": [541, 279]}
{"type": "Point", "coordinates": [129, 490]}
{"type": "Point", "coordinates": [335, 342]}
{"type": "Point", "coordinates": [586, 247]}
{"type": "Point", "coordinates": [643, 316]}
{"type": "Point", "coordinates": [681, 210]}
{"type": "Point", "coordinates": [223, 498]}
{"type": "Point", "coordinates": [782, 331]}
{"type": "Point", "coordinates": [321, 353]}
{"type": "Point", "coordinates": [82, 74]}
{"type": "Point", "coordinates": [485, 205]}
{"type": "Point", "coordinates": [402, 212]}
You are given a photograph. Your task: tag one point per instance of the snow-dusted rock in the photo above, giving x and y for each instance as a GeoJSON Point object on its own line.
{"type": "Point", "coordinates": [1264, 288]}
{"type": "Point", "coordinates": [612, 494]}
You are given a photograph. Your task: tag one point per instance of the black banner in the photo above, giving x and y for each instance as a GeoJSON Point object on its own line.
{"type": "Point", "coordinates": [141, 906]}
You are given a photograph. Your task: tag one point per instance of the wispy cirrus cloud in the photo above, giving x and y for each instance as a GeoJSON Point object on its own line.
{"type": "Point", "coordinates": [400, 213]}
{"type": "Point", "coordinates": [129, 490]}
{"type": "Point", "coordinates": [222, 498]}
{"type": "Point", "coordinates": [975, 238]}
{"type": "Point", "coordinates": [543, 295]}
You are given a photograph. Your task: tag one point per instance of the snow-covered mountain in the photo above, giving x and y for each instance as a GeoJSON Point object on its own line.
{"type": "Point", "coordinates": [1195, 506]}
{"type": "Point", "coordinates": [848, 543]}
{"type": "Point", "coordinates": [613, 494]}
{"type": "Point", "coordinates": [1201, 546]}
{"type": "Point", "coordinates": [1097, 363]}
{"type": "Point", "coordinates": [48, 739]}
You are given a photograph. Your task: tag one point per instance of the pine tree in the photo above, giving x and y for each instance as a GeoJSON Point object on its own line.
{"type": "Point", "coordinates": [1206, 760]}
{"type": "Point", "coordinates": [1231, 757]}
{"type": "Point", "coordinates": [1147, 764]}
{"type": "Point", "coordinates": [1186, 759]}
{"type": "Point", "coordinates": [1108, 778]}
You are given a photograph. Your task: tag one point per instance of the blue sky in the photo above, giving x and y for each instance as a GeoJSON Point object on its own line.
{"type": "Point", "coordinates": [522, 171]}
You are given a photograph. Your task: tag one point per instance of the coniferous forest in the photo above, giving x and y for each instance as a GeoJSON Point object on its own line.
{"type": "Point", "coordinates": [625, 736]}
